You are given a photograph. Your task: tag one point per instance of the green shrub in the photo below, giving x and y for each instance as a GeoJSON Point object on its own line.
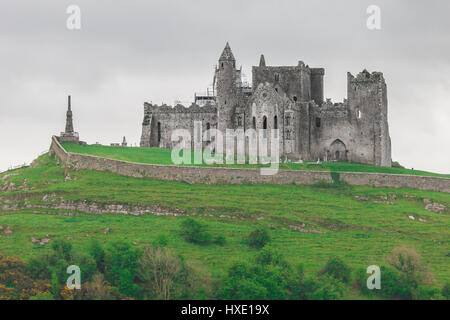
{"type": "Point", "coordinates": [195, 232]}
{"type": "Point", "coordinates": [62, 249]}
{"type": "Point", "coordinates": [271, 257]}
{"type": "Point", "coordinates": [446, 291]}
{"type": "Point", "coordinates": [336, 268]}
{"type": "Point", "coordinates": [122, 263]}
{"type": "Point", "coordinates": [98, 253]}
{"type": "Point", "coordinates": [220, 240]}
{"type": "Point", "coordinates": [394, 285]}
{"type": "Point", "coordinates": [258, 238]}
{"type": "Point", "coordinates": [38, 267]}
{"type": "Point", "coordinates": [161, 241]}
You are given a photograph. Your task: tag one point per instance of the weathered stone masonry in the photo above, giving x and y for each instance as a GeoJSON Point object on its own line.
{"type": "Point", "coordinates": [213, 175]}
{"type": "Point", "coordinates": [291, 99]}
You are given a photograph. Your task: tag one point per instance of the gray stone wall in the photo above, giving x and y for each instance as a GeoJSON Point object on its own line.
{"type": "Point", "coordinates": [160, 122]}
{"type": "Point", "coordinates": [295, 81]}
{"type": "Point", "coordinates": [213, 175]}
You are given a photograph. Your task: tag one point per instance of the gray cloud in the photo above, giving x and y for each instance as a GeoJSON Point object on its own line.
{"type": "Point", "coordinates": [129, 52]}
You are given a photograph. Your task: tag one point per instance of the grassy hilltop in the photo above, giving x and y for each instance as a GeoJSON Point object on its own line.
{"type": "Point", "coordinates": [306, 224]}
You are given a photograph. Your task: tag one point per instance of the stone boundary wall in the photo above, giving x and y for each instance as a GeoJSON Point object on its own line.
{"type": "Point", "coordinates": [212, 175]}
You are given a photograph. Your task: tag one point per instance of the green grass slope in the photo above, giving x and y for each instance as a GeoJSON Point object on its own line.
{"type": "Point", "coordinates": [163, 156]}
{"type": "Point", "coordinates": [308, 224]}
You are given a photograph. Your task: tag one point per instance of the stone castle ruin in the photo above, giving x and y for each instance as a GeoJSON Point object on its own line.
{"type": "Point", "coordinates": [291, 99]}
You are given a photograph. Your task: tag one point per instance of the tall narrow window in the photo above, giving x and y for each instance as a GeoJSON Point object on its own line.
{"type": "Point", "coordinates": [275, 125]}
{"type": "Point", "coordinates": [254, 123]}
{"type": "Point", "coordinates": [208, 126]}
{"type": "Point", "coordinates": [318, 122]}
{"type": "Point", "coordinates": [265, 127]}
{"type": "Point", "coordinates": [277, 77]}
{"type": "Point", "coordinates": [159, 133]}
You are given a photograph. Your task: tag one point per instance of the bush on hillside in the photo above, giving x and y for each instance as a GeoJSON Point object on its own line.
{"type": "Point", "coordinates": [220, 240]}
{"type": "Point", "coordinates": [446, 291]}
{"type": "Point", "coordinates": [195, 232]}
{"type": "Point", "coordinates": [258, 238]}
{"type": "Point", "coordinates": [336, 268]}
{"type": "Point", "coordinates": [409, 263]}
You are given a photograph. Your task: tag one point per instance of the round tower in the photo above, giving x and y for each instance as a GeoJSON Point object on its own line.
{"type": "Point", "coordinates": [227, 97]}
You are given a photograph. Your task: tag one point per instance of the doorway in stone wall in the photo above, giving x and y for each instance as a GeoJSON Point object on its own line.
{"type": "Point", "coordinates": [338, 151]}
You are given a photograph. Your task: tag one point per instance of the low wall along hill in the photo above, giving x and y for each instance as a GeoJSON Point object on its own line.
{"type": "Point", "coordinates": [212, 175]}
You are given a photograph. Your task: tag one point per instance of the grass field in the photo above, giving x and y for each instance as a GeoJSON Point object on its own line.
{"type": "Point", "coordinates": [359, 224]}
{"type": "Point", "coordinates": [163, 156]}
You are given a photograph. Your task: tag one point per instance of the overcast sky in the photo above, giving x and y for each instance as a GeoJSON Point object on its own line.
{"type": "Point", "coordinates": [128, 52]}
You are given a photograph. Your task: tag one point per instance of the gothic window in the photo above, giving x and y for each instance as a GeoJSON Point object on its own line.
{"type": "Point", "coordinates": [159, 133]}
{"type": "Point", "coordinates": [288, 134]}
{"type": "Point", "coordinates": [254, 123]}
{"type": "Point", "coordinates": [288, 120]}
{"type": "Point", "coordinates": [277, 77]}
{"type": "Point", "coordinates": [239, 120]}
{"type": "Point", "coordinates": [222, 65]}
{"type": "Point", "coordinates": [265, 126]}
{"type": "Point", "coordinates": [208, 126]}
{"type": "Point", "coordinates": [358, 114]}
{"type": "Point", "coordinates": [275, 122]}
{"type": "Point", "coordinates": [318, 122]}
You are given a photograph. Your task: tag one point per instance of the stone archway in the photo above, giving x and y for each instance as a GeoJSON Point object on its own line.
{"type": "Point", "coordinates": [338, 151]}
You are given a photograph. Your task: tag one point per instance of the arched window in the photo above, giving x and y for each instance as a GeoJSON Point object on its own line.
{"type": "Point", "coordinates": [265, 126]}
{"type": "Point", "coordinates": [318, 122]}
{"type": "Point", "coordinates": [239, 120]}
{"type": "Point", "coordinates": [275, 125]}
{"type": "Point", "coordinates": [294, 98]}
{"type": "Point", "coordinates": [159, 133]}
{"type": "Point", "coordinates": [222, 65]}
{"type": "Point", "coordinates": [277, 77]}
{"type": "Point", "coordinates": [288, 120]}
{"type": "Point", "coordinates": [208, 126]}
{"type": "Point", "coordinates": [254, 123]}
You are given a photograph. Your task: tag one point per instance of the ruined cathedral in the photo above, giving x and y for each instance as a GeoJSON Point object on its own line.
{"type": "Point", "coordinates": [291, 99]}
